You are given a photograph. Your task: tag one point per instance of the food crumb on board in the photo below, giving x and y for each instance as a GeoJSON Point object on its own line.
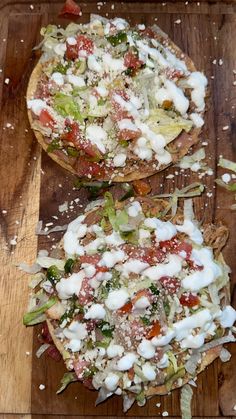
{"type": "Point", "coordinates": [4, 211]}
{"type": "Point", "coordinates": [63, 207]}
{"type": "Point", "coordinates": [165, 413]}
{"type": "Point", "coordinates": [234, 408]}
{"type": "Point", "coordinates": [225, 128]}
{"type": "Point", "coordinates": [32, 7]}
{"type": "Point", "coordinates": [220, 62]}
{"type": "Point", "coordinates": [158, 404]}
{"type": "Point", "coordinates": [7, 81]}
{"type": "Point", "coordinates": [13, 242]}
{"type": "Point", "coordinates": [27, 353]}
{"type": "Point", "coordinates": [41, 387]}
{"type": "Point", "coordinates": [178, 21]}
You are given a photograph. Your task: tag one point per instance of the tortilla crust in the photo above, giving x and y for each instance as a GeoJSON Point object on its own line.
{"type": "Point", "coordinates": [182, 143]}
{"type": "Point", "coordinates": [211, 354]}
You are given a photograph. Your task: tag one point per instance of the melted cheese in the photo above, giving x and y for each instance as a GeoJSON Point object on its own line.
{"type": "Point", "coordinates": [200, 279]}
{"type": "Point", "coordinates": [67, 287]}
{"type": "Point", "coordinates": [146, 349]}
{"type": "Point", "coordinates": [198, 82]}
{"type": "Point", "coordinates": [96, 311]}
{"type": "Point", "coordinates": [189, 228]}
{"type": "Point", "coordinates": [97, 135]}
{"type": "Point", "coordinates": [116, 299]}
{"type": "Point", "coordinates": [176, 94]}
{"type": "Point", "coordinates": [171, 268]}
{"type": "Point", "coordinates": [126, 362]}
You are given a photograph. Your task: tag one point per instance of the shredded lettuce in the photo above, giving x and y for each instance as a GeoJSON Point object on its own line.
{"type": "Point", "coordinates": [68, 377]}
{"type": "Point", "coordinates": [168, 124]}
{"type": "Point", "coordinates": [190, 191]}
{"type": "Point", "coordinates": [185, 401]}
{"type": "Point", "coordinates": [227, 164]}
{"type": "Point", "coordinates": [116, 218]}
{"type": "Point", "coordinates": [67, 106]}
{"type": "Point", "coordinates": [194, 162]}
{"type": "Point", "coordinates": [35, 316]}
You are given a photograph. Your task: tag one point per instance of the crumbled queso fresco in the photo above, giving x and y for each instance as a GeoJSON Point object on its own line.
{"type": "Point", "coordinates": [112, 99]}
{"type": "Point", "coordinates": [133, 296]}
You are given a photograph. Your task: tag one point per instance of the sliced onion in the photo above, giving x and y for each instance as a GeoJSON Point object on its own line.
{"type": "Point", "coordinates": [191, 364]}
{"type": "Point", "coordinates": [42, 349]}
{"type": "Point", "coordinates": [40, 232]}
{"type": "Point", "coordinates": [103, 394]}
{"type": "Point", "coordinates": [29, 269]}
{"type": "Point", "coordinates": [46, 262]}
{"type": "Point", "coordinates": [185, 401]}
{"type": "Point", "coordinates": [225, 355]}
{"type": "Point", "coordinates": [36, 279]}
{"type": "Point", "coordinates": [217, 342]}
{"type": "Point", "coordinates": [192, 383]}
{"type": "Point", "coordinates": [94, 204]}
{"type": "Point", "coordinates": [188, 209]}
{"type": "Point", "coordinates": [128, 402]}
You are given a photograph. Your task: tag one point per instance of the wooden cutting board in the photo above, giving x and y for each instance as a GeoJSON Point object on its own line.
{"type": "Point", "coordinates": [32, 188]}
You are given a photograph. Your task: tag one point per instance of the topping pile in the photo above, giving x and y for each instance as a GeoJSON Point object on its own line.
{"type": "Point", "coordinates": [111, 99]}
{"type": "Point", "coordinates": [133, 297]}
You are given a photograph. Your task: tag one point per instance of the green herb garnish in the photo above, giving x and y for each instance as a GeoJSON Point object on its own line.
{"type": "Point", "coordinates": [69, 266]}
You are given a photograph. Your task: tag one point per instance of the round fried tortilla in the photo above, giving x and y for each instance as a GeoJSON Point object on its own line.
{"type": "Point", "coordinates": [180, 146]}
{"type": "Point", "coordinates": [155, 207]}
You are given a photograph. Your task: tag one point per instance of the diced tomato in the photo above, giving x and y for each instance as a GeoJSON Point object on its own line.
{"type": "Point", "coordinates": [139, 294]}
{"type": "Point", "coordinates": [80, 366]}
{"type": "Point", "coordinates": [91, 325]}
{"type": "Point", "coordinates": [151, 255]}
{"type": "Point", "coordinates": [46, 119]}
{"type": "Point", "coordinates": [71, 52]}
{"type": "Point", "coordinates": [131, 60]}
{"type": "Point", "coordinates": [193, 266]}
{"type": "Point", "coordinates": [86, 292]}
{"type": "Point", "coordinates": [141, 187]}
{"type": "Point", "coordinates": [84, 44]}
{"type": "Point", "coordinates": [189, 300]}
{"type": "Point", "coordinates": [173, 73]}
{"type": "Point", "coordinates": [126, 308]}
{"type": "Point", "coordinates": [131, 374]}
{"type": "Point", "coordinates": [88, 383]}
{"type": "Point", "coordinates": [86, 168]}
{"type": "Point", "coordinates": [94, 260]}
{"type": "Point", "coordinates": [53, 353]}
{"type": "Point", "coordinates": [184, 247]}
{"type": "Point", "coordinates": [169, 245]}
{"type": "Point", "coordinates": [118, 112]}
{"type": "Point", "coordinates": [154, 331]}
{"type": "Point", "coordinates": [148, 32]}
{"type": "Point", "coordinates": [74, 135]}
{"type": "Point", "coordinates": [70, 8]}
{"type": "Point", "coordinates": [171, 285]}
{"type": "Point", "coordinates": [128, 134]}
{"type": "Point", "coordinates": [45, 336]}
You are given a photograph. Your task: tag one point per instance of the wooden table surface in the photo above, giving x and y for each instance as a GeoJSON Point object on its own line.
{"type": "Point", "coordinates": [32, 188]}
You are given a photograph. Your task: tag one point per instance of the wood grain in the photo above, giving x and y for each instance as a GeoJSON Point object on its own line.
{"type": "Point", "coordinates": [206, 33]}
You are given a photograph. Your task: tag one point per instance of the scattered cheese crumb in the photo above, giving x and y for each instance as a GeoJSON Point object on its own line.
{"type": "Point", "coordinates": [27, 353]}
{"type": "Point", "coordinates": [7, 81]}
{"type": "Point", "coordinates": [4, 211]}
{"type": "Point", "coordinates": [158, 404]}
{"type": "Point", "coordinates": [165, 413]}
{"type": "Point", "coordinates": [41, 387]}
{"type": "Point", "coordinates": [226, 177]}
{"type": "Point", "coordinates": [220, 62]}
{"type": "Point", "coordinates": [225, 128]}
{"type": "Point", "coordinates": [234, 408]}
{"type": "Point", "coordinates": [178, 21]}
{"type": "Point", "coordinates": [214, 61]}
{"type": "Point", "coordinates": [31, 7]}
